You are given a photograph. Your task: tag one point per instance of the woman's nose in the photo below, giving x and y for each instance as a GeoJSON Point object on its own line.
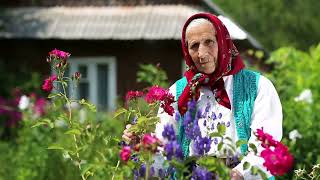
{"type": "Point", "coordinates": [203, 52]}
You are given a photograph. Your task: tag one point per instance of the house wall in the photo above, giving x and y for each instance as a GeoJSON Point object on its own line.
{"type": "Point", "coordinates": [129, 54]}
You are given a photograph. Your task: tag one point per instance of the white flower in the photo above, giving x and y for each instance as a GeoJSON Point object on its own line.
{"type": "Point", "coordinates": [24, 102]}
{"type": "Point", "coordinates": [82, 115]}
{"type": "Point", "coordinates": [60, 123]}
{"type": "Point", "coordinates": [294, 134]}
{"type": "Point", "coordinates": [305, 95]}
{"type": "Point", "coordinates": [75, 105]}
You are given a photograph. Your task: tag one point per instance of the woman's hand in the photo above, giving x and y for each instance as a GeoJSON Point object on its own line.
{"type": "Point", "coordinates": [128, 136]}
{"type": "Point", "coordinates": [235, 175]}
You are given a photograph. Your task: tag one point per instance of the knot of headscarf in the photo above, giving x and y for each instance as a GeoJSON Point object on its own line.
{"type": "Point", "coordinates": [192, 90]}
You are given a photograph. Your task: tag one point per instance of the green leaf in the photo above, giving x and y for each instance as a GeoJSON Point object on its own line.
{"type": "Point", "coordinates": [119, 112]}
{"type": "Point", "coordinates": [44, 122]}
{"type": "Point", "coordinates": [253, 147]}
{"type": "Point", "coordinates": [86, 169]}
{"type": "Point", "coordinates": [215, 134]}
{"type": "Point", "coordinates": [241, 142]}
{"type": "Point", "coordinates": [220, 146]}
{"type": "Point", "coordinates": [53, 95]}
{"type": "Point", "coordinates": [38, 124]}
{"type": "Point", "coordinates": [262, 174]}
{"type": "Point", "coordinates": [254, 170]}
{"type": "Point", "coordinates": [221, 129]}
{"type": "Point", "coordinates": [246, 165]}
{"type": "Point", "coordinates": [56, 146]}
{"type": "Point", "coordinates": [91, 107]}
{"type": "Point", "coordinates": [64, 83]}
{"type": "Point", "coordinates": [73, 132]}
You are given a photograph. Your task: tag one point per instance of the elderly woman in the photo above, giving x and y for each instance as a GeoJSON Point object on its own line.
{"type": "Point", "coordinates": [241, 99]}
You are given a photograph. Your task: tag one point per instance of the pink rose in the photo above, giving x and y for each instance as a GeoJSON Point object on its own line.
{"type": "Point", "coordinates": [155, 93]}
{"type": "Point", "coordinates": [48, 83]}
{"type": "Point", "coordinates": [125, 153]}
{"type": "Point", "coordinates": [279, 161]}
{"type": "Point", "coordinates": [59, 54]}
{"type": "Point", "coordinates": [149, 140]}
{"type": "Point", "coordinates": [133, 94]}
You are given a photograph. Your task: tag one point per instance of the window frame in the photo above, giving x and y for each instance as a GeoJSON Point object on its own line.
{"type": "Point", "coordinates": [92, 77]}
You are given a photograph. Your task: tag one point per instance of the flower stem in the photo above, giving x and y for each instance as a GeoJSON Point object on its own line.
{"type": "Point", "coordinates": [70, 125]}
{"type": "Point", "coordinates": [115, 169]}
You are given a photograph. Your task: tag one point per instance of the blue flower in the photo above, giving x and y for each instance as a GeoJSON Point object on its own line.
{"type": "Point", "coordinates": [205, 122]}
{"type": "Point", "coordinates": [214, 116]}
{"type": "Point", "coordinates": [228, 124]}
{"type": "Point", "coordinates": [232, 161]}
{"type": "Point", "coordinates": [201, 173]}
{"type": "Point", "coordinates": [193, 132]}
{"type": "Point", "coordinates": [212, 126]}
{"type": "Point", "coordinates": [177, 116]}
{"type": "Point", "coordinates": [215, 140]}
{"type": "Point", "coordinates": [208, 107]}
{"type": "Point", "coordinates": [188, 118]}
{"type": "Point", "coordinates": [202, 145]}
{"type": "Point", "coordinates": [200, 114]}
{"type": "Point", "coordinates": [192, 105]}
{"type": "Point", "coordinates": [169, 133]}
{"type": "Point", "coordinates": [142, 170]}
{"type": "Point", "coordinates": [173, 149]}
{"type": "Point", "coordinates": [220, 116]}
{"type": "Point", "coordinates": [134, 120]}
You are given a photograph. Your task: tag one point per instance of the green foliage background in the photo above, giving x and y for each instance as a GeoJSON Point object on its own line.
{"type": "Point", "coordinates": [295, 71]}
{"type": "Point", "coordinates": [277, 23]}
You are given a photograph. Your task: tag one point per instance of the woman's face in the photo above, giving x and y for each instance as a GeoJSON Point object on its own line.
{"type": "Point", "coordinates": [203, 47]}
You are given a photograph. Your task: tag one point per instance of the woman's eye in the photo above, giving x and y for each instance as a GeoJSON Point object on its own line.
{"type": "Point", "coordinates": [194, 46]}
{"type": "Point", "coordinates": [208, 41]}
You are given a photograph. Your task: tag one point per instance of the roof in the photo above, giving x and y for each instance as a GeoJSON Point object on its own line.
{"type": "Point", "coordinates": [148, 22]}
{"type": "Point", "coordinates": [74, 3]}
{"type": "Point", "coordinates": [123, 23]}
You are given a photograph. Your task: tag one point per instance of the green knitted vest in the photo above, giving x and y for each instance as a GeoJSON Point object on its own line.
{"type": "Point", "coordinates": [245, 85]}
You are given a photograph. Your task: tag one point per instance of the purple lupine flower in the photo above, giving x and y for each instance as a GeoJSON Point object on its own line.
{"type": "Point", "coordinates": [212, 126]}
{"type": "Point", "coordinates": [151, 172]}
{"type": "Point", "coordinates": [196, 131]}
{"type": "Point", "coordinates": [214, 116]}
{"type": "Point", "coordinates": [135, 174]}
{"type": "Point", "coordinates": [188, 118]}
{"type": "Point", "coordinates": [161, 173]}
{"type": "Point", "coordinates": [192, 132]}
{"type": "Point", "coordinates": [173, 149]}
{"type": "Point", "coordinates": [169, 133]}
{"type": "Point", "coordinates": [228, 124]}
{"type": "Point", "coordinates": [202, 145]}
{"type": "Point", "coordinates": [232, 161]}
{"type": "Point", "coordinates": [122, 143]}
{"type": "Point", "coordinates": [200, 114]}
{"type": "Point", "coordinates": [134, 158]}
{"type": "Point", "coordinates": [192, 105]}
{"type": "Point", "coordinates": [134, 120]}
{"type": "Point", "coordinates": [220, 116]}
{"type": "Point", "coordinates": [207, 107]}
{"type": "Point", "coordinates": [177, 116]}
{"type": "Point", "coordinates": [142, 170]}
{"type": "Point", "coordinates": [215, 140]}
{"type": "Point", "coordinates": [201, 173]}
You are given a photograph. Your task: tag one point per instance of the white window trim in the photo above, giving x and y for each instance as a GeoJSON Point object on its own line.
{"type": "Point", "coordinates": [92, 76]}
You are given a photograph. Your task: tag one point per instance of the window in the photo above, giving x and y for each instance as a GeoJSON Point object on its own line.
{"type": "Point", "coordinates": [98, 80]}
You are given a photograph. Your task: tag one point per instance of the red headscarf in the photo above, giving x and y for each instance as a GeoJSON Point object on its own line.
{"type": "Point", "coordinates": [229, 62]}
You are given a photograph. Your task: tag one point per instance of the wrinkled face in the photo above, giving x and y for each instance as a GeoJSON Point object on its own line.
{"type": "Point", "coordinates": [203, 47]}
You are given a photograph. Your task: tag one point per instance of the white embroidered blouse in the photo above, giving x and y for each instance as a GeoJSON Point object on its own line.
{"type": "Point", "coordinates": [267, 114]}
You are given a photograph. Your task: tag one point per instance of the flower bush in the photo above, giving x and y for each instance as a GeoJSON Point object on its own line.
{"type": "Point", "coordinates": [295, 75]}
{"type": "Point", "coordinates": [35, 153]}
